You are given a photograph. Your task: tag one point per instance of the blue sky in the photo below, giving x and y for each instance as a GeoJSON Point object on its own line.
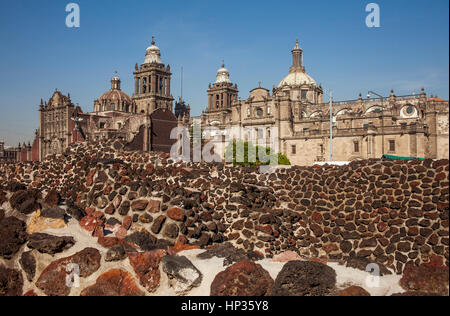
{"type": "Point", "coordinates": [39, 53]}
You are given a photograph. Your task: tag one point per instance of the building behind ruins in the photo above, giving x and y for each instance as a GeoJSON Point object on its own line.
{"type": "Point", "coordinates": [144, 120]}
{"type": "Point", "coordinates": [412, 126]}
{"type": "Point", "coordinates": [293, 114]}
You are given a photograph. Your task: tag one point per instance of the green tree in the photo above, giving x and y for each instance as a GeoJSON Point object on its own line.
{"type": "Point", "coordinates": [246, 154]}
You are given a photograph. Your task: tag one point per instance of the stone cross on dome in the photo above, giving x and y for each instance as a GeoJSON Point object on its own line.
{"type": "Point", "coordinates": [153, 40]}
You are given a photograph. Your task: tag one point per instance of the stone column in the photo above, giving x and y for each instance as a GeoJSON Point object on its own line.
{"type": "Point", "coordinates": [168, 87]}
{"type": "Point", "coordinates": [225, 100]}
{"type": "Point", "coordinates": [154, 78]}
{"type": "Point", "coordinates": [163, 92]}
{"type": "Point", "coordinates": [136, 85]}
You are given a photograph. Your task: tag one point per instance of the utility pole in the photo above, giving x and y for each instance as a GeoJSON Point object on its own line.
{"type": "Point", "coordinates": [331, 126]}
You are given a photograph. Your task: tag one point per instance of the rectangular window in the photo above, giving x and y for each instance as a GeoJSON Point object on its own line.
{"type": "Point", "coordinates": [260, 133]}
{"type": "Point", "coordinates": [304, 94]}
{"type": "Point", "coordinates": [392, 146]}
{"type": "Point", "coordinates": [356, 147]}
{"type": "Point", "coordinates": [294, 149]}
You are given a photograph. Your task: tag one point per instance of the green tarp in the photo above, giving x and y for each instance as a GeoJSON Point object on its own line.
{"type": "Point", "coordinates": [402, 158]}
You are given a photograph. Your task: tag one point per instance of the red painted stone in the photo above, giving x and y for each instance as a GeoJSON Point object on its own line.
{"type": "Point", "coordinates": [244, 278]}
{"type": "Point", "coordinates": [127, 221]}
{"type": "Point", "coordinates": [176, 214]}
{"type": "Point", "coordinates": [108, 242]}
{"type": "Point", "coordinates": [317, 217]}
{"type": "Point", "coordinates": [53, 280]}
{"type": "Point", "coordinates": [113, 283]}
{"type": "Point", "coordinates": [30, 293]}
{"type": "Point", "coordinates": [146, 266]}
{"type": "Point", "coordinates": [90, 223]}
{"type": "Point", "coordinates": [382, 226]}
{"type": "Point", "coordinates": [354, 291]}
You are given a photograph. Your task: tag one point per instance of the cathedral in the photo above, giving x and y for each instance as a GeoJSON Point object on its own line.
{"type": "Point", "coordinates": [294, 111]}
{"type": "Point", "coordinates": [143, 120]}
{"type": "Point", "coordinates": [306, 129]}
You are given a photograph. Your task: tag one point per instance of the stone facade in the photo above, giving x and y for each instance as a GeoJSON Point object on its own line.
{"type": "Point", "coordinates": [55, 124]}
{"type": "Point", "coordinates": [412, 126]}
{"type": "Point", "coordinates": [141, 120]}
{"type": "Point", "coordinates": [8, 154]}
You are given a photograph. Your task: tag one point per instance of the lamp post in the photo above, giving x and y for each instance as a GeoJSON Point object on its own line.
{"type": "Point", "coordinates": [382, 118]}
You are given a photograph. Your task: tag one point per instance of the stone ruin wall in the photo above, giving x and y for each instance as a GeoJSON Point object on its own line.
{"type": "Point", "coordinates": [388, 212]}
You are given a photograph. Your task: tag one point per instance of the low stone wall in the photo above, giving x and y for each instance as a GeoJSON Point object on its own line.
{"type": "Point", "coordinates": [382, 211]}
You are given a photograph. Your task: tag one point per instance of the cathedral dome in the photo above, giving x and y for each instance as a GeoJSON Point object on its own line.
{"type": "Point", "coordinates": [297, 78]}
{"type": "Point", "coordinates": [153, 54]}
{"type": "Point", "coordinates": [297, 75]}
{"type": "Point", "coordinates": [223, 75]}
{"type": "Point", "coordinates": [114, 99]}
{"type": "Point", "coordinates": [115, 95]}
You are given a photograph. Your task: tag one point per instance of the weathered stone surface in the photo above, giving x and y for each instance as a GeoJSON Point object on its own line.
{"type": "Point", "coordinates": [52, 198]}
{"type": "Point", "coordinates": [76, 212]}
{"type": "Point", "coordinates": [25, 201]}
{"type": "Point", "coordinates": [171, 231]}
{"type": "Point", "coordinates": [39, 223]}
{"type": "Point", "coordinates": [3, 197]}
{"type": "Point", "coordinates": [28, 264]}
{"type": "Point", "coordinates": [364, 264]}
{"type": "Point", "coordinates": [140, 205]}
{"type": "Point", "coordinates": [158, 224]}
{"type": "Point", "coordinates": [286, 257]}
{"type": "Point", "coordinates": [45, 243]}
{"type": "Point", "coordinates": [113, 283]}
{"type": "Point", "coordinates": [304, 278]}
{"type": "Point", "coordinates": [11, 282]}
{"type": "Point", "coordinates": [154, 206]}
{"type": "Point", "coordinates": [53, 280]}
{"type": "Point", "coordinates": [12, 236]}
{"type": "Point", "coordinates": [55, 212]}
{"type": "Point", "coordinates": [30, 293]}
{"type": "Point", "coordinates": [354, 291]}
{"type": "Point", "coordinates": [146, 267]}
{"type": "Point", "coordinates": [392, 212]}
{"type": "Point", "coordinates": [182, 274]}
{"type": "Point", "coordinates": [244, 278]}
{"type": "Point", "coordinates": [429, 278]}
{"type": "Point", "coordinates": [230, 253]}
{"type": "Point", "coordinates": [118, 252]}
{"type": "Point", "coordinates": [176, 214]}
{"type": "Point", "coordinates": [143, 239]}
{"type": "Point", "coordinates": [414, 294]}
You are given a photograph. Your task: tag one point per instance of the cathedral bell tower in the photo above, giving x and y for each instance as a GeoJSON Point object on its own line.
{"type": "Point", "coordinates": [152, 83]}
{"type": "Point", "coordinates": [222, 93]}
